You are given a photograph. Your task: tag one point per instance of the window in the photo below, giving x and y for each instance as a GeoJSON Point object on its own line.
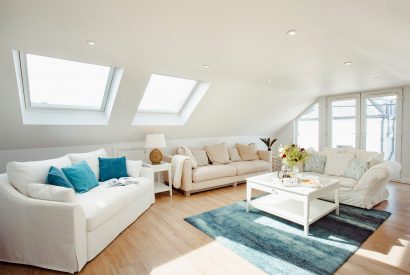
{"type": "Point", "coordinates": [166, 94]}
{"type": "Point", "coordinates": [344, 122]}
{"type": "Point", "coordinates": [55, 91]}
{"type": "Point", "coordinates": [169, 100]}
{"type": "Point", "coordinates": [62, 84]}
{"type": "Point", "coordinates": [307, 128]}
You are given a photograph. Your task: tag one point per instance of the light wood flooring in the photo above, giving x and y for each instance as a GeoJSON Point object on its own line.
{"type": "Point", "coordinates": [161, 242]}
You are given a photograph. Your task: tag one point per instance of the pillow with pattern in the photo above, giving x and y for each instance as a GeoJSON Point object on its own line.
{"type": "Point", "coordinates": [315, 162]}
{"type": "Point", "coordinates": [356, 169]}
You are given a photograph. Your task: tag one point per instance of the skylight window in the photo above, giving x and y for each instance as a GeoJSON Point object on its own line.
{"type": "Point", "coordinates": [166, 94]}
{"type": "Point", "coordinates": [62, 84]}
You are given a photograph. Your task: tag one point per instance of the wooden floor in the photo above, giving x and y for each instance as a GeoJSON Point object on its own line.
{"type": "Point", "coordinates": [160, 242]}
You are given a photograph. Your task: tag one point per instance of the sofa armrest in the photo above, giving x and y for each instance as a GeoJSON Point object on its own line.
{"type": "Point", "coordinates": [186, 183]}
{"type": "Point", "coordinates": [41, 233]}
{"type": "Point", "coordinates": [266, 156]}
{"type": "Point", "coordinates": [378, 175]}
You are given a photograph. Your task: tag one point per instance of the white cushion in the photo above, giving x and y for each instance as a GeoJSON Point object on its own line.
{"type": "Point", "coordinates": [372, 158]}
{"type": "Point", "coordinates": [49, 192]}
{"type": "Point", "coordinates": [336, 163]}
{"type": "Point", "coordinates": [91, 158]}
{"type": "Point", "coordinates": [22, 173]}
{"type": "Point", "coordinates": [102, 202]}
{"type": "Point", "coordinates": [134, 168]}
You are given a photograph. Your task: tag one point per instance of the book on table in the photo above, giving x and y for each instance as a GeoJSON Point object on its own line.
{"type": "Point", "coordinates": [121, 181]}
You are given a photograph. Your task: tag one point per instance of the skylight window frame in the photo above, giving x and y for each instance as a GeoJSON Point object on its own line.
{"type": "Point", "coordinates": [22, 56]}
{"type": "Point", "coordinates": [181, 108]}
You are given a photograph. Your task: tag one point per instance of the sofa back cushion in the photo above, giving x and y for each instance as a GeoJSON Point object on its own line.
{"type": "Point", "coordinates": [234, 154]}
{"type": "Point", "coordinates": [247, 151]}
{"type": "Point", "coordinates": [201, 158]}
{"type": "Point", "coordinates": [218, 153]}
{"type": "Point", "coordinates": [315, 162]}
{"type": "Point", "coordinates": [112, 168]}
{"type": "Point", "coordinates": [22, 173]}
{"type": "Point", "coordinates": [91, 158]}
{"type": "Point", "coordinates": [81, 176]}
{"type": "Point", "coordinates": [337, 163]}
{"type": "Point", "coordinates": [372, 158]}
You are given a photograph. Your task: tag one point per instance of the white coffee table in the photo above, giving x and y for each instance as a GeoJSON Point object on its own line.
{"type": "Point", "coordinates": [298, 204]}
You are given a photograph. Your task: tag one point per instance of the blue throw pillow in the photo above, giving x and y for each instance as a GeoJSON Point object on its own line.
{"type": "Point", "coordinates": [112, 168]}
{"type": "Point", "coordinates": [56, 177]}
{"type": "Point", "coordinates": [81, 177]}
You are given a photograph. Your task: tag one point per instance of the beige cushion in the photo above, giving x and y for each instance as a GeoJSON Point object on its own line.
{"type": "Point", "coordinates": [253, 166]}
{"type": "Point", "coordinates": [247, 151]}
{"type": "Point", "coordinates": [211, 172]}
{"type": "Point", "coordinates": [336, 163]}
{"type": "Point", "coordinates": [201, 157]}
{"type": "Point", "coordinates": [218, 153]}
{"type": "Point", "coordinates": [234, 154]}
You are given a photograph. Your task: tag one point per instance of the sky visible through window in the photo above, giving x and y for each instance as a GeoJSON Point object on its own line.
{"type": "Point", "coordinates": [64, 83]}
{"type": "Point", "coordinates": [166, 94]}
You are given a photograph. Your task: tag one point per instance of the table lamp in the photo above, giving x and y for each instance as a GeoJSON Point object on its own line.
{"type": "Point", "coordinates": [155, 141]}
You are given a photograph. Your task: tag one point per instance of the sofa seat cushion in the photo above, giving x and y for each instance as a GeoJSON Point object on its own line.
{"type": "Point", "coordinates": [211, 172]}
{"type": "Point", "coordinates": [253, 166]}
{"type": "Point", "coordinates": [102, 202]}
{"type": "Point", "coordinates": [345, 183]}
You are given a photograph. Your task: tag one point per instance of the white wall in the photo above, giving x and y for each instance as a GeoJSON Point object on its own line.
{"type": "Point", "coordinates": [54, 152]}
{"type": "Point", "coordinates": [286, 135]}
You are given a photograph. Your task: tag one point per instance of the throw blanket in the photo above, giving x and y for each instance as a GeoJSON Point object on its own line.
{"type": "Point", "coordinates": [177, 165]}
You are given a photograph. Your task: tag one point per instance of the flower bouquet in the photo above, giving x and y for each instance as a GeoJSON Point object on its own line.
{"type": "Point", "coordinates": [291, 155]}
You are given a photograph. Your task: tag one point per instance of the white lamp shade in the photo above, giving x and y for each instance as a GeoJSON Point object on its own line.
{"type": "Point", "coordinates": [155, 141]}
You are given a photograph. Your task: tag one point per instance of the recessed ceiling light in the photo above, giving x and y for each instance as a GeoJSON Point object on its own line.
{"type": "Point", "coordinates": [269, 80]}
{"type": "Point", "coordinates": [90, 42]}
{"type": "Point", "coordinates": [348, 63]}
{"type": "Point", "coordinates": [206, 66]}
{"type": "Point", "coordinates": [292, 32]}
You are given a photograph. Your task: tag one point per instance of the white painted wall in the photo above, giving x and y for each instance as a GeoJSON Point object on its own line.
{"type": "Point", "coordinates": [54, 152]}
{"type": "Point", "coordinates": [286, 135]}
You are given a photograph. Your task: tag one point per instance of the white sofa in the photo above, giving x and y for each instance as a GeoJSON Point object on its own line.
{"type": "Point", "coordinates": [370, 189]}
{"type": "Point", "coordinates": [64, 236]}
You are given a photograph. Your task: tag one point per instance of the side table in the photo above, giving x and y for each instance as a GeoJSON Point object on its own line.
{"type": "Point", "coordinates": [159, 185]}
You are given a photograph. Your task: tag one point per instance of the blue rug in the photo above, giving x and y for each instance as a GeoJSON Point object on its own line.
{"type": "Point", "coordinates": [278, 246]}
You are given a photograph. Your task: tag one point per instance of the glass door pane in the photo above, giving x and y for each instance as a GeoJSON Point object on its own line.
{"type": "Point", "coordinates": [380, 125]}
{"type": "Point", "coordinates": [344, 122]}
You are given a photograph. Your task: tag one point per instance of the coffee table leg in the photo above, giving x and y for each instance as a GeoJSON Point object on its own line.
{"type": "Point", "coordinates": [306, 208]}
{"type": "Point", "coordinates": [337, 200]}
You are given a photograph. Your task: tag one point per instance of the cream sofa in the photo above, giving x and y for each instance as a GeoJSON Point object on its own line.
{"type": "Point", "coordinates": [64, 236]}
{"type": "Point", "coordinates": [370, 189]}
{"type": "Point", "coordinates": [219, 175]}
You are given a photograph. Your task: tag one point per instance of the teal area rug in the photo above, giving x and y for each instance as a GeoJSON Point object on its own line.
{"type": "Point", "coordinates": [278, 246]}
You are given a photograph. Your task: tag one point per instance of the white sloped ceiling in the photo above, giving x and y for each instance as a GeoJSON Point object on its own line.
{"type": "Point", "coordinates": [245, 42]}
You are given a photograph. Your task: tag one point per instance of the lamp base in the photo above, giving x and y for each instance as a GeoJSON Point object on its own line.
{"type": "Point", "coordinates": [155, 156]}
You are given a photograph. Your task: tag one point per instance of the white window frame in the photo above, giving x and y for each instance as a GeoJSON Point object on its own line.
{"type": "Point", "coordinates": [399, 94]}
{"type": "Point", "coordinates": [296, 130]}
{"type": "Point", "coordinates": [183, 104]}
{"type": "Point", "coordinates": [329, 132]}
{"type": "Point", "coordinates": [22, 56]}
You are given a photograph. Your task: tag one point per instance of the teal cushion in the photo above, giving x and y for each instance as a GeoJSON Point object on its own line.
{"type": "Point", "coordinates": [112, 168]}
{"type": "Point", "coordinates": [81, 177]}
{"type": "Point", "coordinates": [315, 162]}
{"type": "Point", "coordinates": [56, 177]}
{"type": "Point", "coordinates": [356, 168]}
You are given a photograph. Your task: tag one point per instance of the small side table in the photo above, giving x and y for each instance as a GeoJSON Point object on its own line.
{"type": "Point", "coordinates": [159, 185]}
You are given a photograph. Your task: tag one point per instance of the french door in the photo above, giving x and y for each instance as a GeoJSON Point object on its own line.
{"type": "Point", "coordinates": [369, 121]}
